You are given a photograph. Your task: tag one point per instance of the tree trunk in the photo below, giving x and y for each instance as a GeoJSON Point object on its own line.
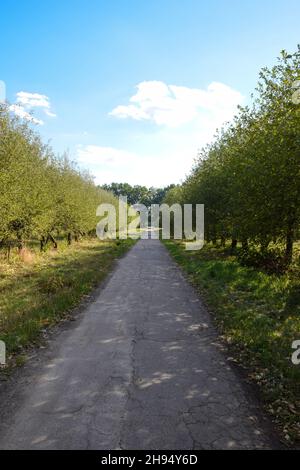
{"type": "Point", "coordinates": [234, 243]}
{"type": "Point", "coordinates": [289, 244]}
{"type": "Point", "coordinates": [43, 243]}
{"type": "Point", "coordinates": [50, 237]}
{"type": "Point", "coordinates": [8, 252]}
{"type": "Point", "coordinates": [21, 244]}
{"type": "Point", "coordinates": [214, 236]}
{"type": "Point", "coordinates": [69, 238]}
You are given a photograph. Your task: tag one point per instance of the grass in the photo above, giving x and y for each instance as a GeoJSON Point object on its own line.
{"type": "Point", "coordinates": [41, 289]}
{"type": "Point", "coordinates": [258, 315]}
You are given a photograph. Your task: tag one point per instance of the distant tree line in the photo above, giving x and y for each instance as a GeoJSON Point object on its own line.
{"type": "Point", "coordinates": [249, 176]}
{"type": "Point", "coordinates": [42, 196]}
{"type": "Point", "coordinates": [138, 194]}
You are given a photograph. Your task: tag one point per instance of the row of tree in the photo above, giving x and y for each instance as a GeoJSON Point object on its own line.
{"type": "Point", "coordinates": [42, 196]}
{"type": "Point", "coordinates": [249, 177]}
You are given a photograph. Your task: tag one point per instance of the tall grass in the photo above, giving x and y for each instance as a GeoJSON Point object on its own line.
{"type": "Point", "coordinates": [38, 291]}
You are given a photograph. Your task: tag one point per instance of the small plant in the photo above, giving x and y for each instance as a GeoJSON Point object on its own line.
{"type": "Point", "coordinates": [52, 284]}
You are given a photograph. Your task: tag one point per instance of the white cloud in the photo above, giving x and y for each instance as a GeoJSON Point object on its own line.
{"type": "Point", "coordinates": [99, 156]}
{"type": "Point", "coordinates": [109, 164]}
{"type": "Point", "coordinates": [23, 114]}
{"type": "Point", "coordinates": [174, 106]}
{"type": "Point", "coordinates": [186, 119]}
{"type": "Point", "coordinates": [26, 103]}
{"type": "Point", "coordinates": [33, 100]}
{"type": "Point", "coordinates": [49, 113]}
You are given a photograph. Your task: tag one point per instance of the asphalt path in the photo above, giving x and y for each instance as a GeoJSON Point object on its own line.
{"type": "Point", "coordinates": [141, 367]}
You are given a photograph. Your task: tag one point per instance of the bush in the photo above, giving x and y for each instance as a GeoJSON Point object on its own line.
{"type": "Point", "coordinates": [270, 261]}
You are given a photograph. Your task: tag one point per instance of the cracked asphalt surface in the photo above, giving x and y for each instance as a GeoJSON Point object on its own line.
{"type": "Point", "coordinates": [140, 368]}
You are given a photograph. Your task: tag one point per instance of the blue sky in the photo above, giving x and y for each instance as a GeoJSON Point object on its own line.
{"type": "Point", "coordinates": [134, 88]}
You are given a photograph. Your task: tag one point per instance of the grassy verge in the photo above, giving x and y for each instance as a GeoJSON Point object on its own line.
{"type": "Point", "coordinates": [39, 291]}
{"type": "Point", "coordinates": [259, 317]}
